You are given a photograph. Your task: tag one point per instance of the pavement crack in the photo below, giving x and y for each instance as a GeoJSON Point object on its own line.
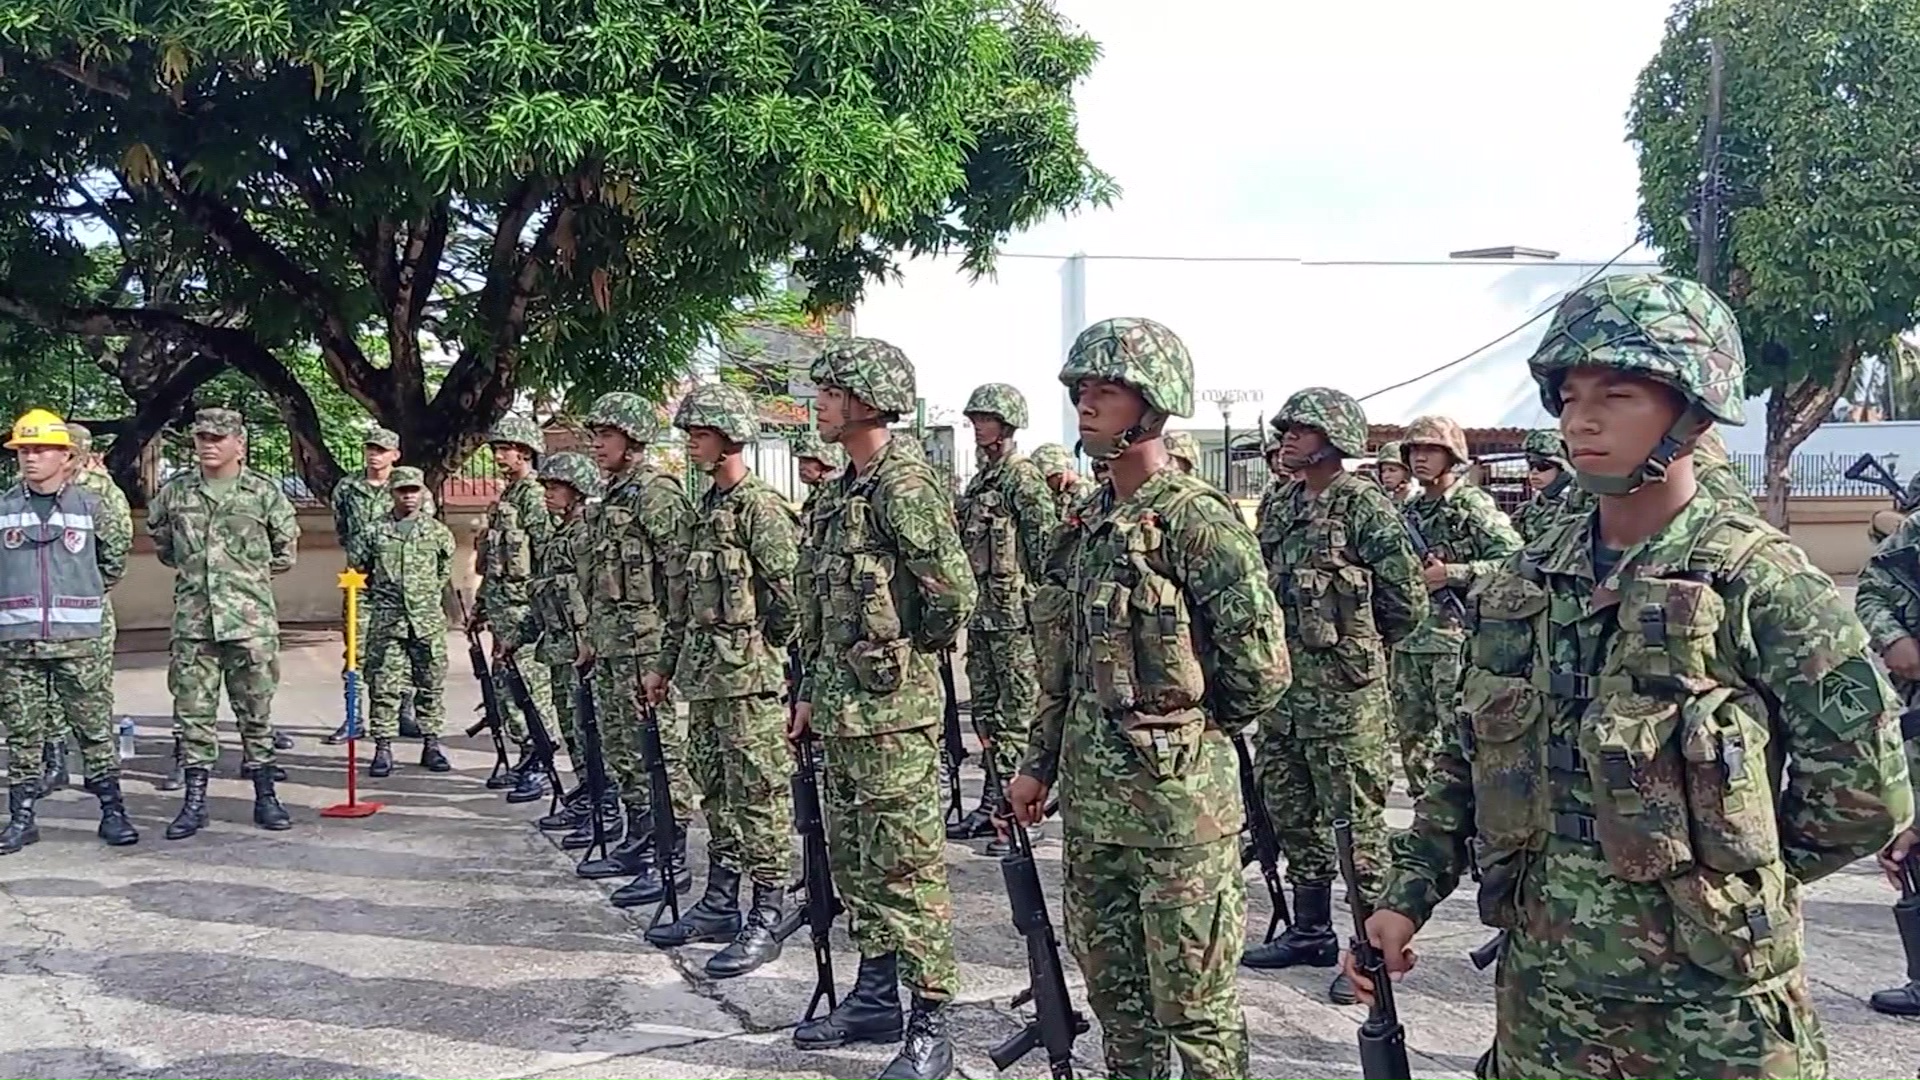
{"type": "Point", "coordinates": [56, 983]}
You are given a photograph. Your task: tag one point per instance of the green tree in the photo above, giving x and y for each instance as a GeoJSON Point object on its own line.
{"type": "Point", "coordinates": [561, 196]}
{"type": "Point", "coordinates": [1820, 238]}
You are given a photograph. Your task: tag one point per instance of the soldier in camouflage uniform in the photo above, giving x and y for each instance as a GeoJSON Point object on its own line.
{"type": "Point", "coordinates": [1642, 681]}
{"type": "Point", "coordinates": [360, 503]}
{"type": "Point", "coordinates": [634, 553]}
{"type": "Point", "coordinates": [1350, 587]}
{"type": "Point", "coordinates": [1134, 716]}
{"type": "Point", "coordinates": [1184, 449]}
{"type": "Point", "coordinates": [1006, 520]}
{"type": "Point", "coordinates": [820, 464]}
{"type": "Point", "coordinates": [227, 531]}
{"type": "Point", "coordinates": [1467, 535]}
{"type": "Point", "coordinates": [1550, 476]}
{"type": "Point", "coordinates": [1392, 473]}
{"type": "Point", "coordinates": [1069, 488]}
{"type": "Point", "coordinates": [62, 546]}
{"type": "Point", "coordinates": [891, 591]}
{"type": "Point", "coordinates": [726, 649]}
{"type": "Point", "coordinates": [518, 525]}
{"type": "Point", "coordinates": [1885, 523]}
{"type": "Point", "coordinates": [1277, 484]}
{"type": "Point", "coordinates": [408, 560]}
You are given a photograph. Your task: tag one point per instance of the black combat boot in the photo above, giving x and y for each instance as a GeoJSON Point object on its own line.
{"type": "Point", "coordinates": [20, 830]}
{"type": "Point", "coordinates": [869, 1013]}
{"type": "Point", "coordinates": [571, 813]}
{"type": "Point", "coordinates": [520, 764]}
{"type": "Point", "coordinates": [267, 811]}
{"type": "Point", "coordinates": [613, 825]}
{"type": "Point", "coordinates": [115, 829]}
{"type": "Point", "coordinates": [715, 918]}
{"type": "Point", "coordinates": [531, 787]}
{"type": "Point", "coordinates": [248, 768]}
{"type": "Point", "coordinates": [928, 1054]}
{"type": "Point", "coordinates": [979, 820]}
{"type": "Point", "coordinates": [626, 857]}
{"type": "Point", "coordinates": [282, 740]}
{"type": "Point", "coordinates": [1899, 1001]}
{"type": "Point", "coordinates": [176, 769]}
{"type": "Point", "coordinates": [339, 734]}
{"type": "Point", "coordinates": [193, 809]}
{"type": "Point", "coordinates": [53, 766]}
{"type": "Point", "coordinates": [382, 763]}
{"type": "Point", "coordinates": [1309, 940]}
{"type": "Point", "coordinates": [755, 944]}
{"type": "Point", "coordinates": [431, 757]}
{"type": "Point", "coordinates": [650, 886]}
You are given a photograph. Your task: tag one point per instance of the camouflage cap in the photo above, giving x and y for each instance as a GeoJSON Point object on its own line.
{"type": "Point", "coordinates": [869, 369]}
{"type": "Point", "coordinates": [1657, 325]}
{"type": "Point", "coordinates": [1139, 353]}
{"type": "Point", "coordinates": [382, 438]}
{"type": "Point", "coordinates": [406, 476]}
{"type": "Point", "coordinates": [1545, 445]}
{"type": "Point", "coordinates": [1390, 453]}
{"type": "Point", "coordinates": [807, 443]}
{"type": "Point", "coordinates": [998, 399]}
{"type": "Point", "coordinates": [1439, 431]}
{"type": "Point", "coordinates": [1330, 412]}
{"type": "Point", "coordinates": [218, 422]}
{"type": "Point", "coordinates": [629, 414]}
{"type": "Point", "coordinates": [1052, 459]}
{"type": "Point", "coordinates": [82, 437]}
{"type": "Point", "coordinates": [726, 409]}
{"type": "Point", "coordinates": [1181, 444]}
{"type": "Point", "coordinates": [517, 431]}
{"type": "Point", "coordinates": [575, 470]}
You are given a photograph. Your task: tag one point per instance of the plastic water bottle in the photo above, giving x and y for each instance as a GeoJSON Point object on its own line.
{"type": "Point", "coordinates": [126, 738]}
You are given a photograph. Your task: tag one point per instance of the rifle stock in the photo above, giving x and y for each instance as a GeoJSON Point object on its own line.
{"type": "Point", "coordinates": [1868, 469]}
{"type": "Point", "coordinates": [492, 715]}
{"type": "Point", "coordinates": [1264, 845]}
{"type": "Point", "coordinates": [822, 905]}
{"type": "Point", "coordinates": [1383, 1041]}
{"type": "Point", "coordinates": [1056, 1023]}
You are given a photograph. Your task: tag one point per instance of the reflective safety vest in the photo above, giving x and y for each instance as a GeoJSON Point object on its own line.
{"type": "Point", "coordinates": [50, 583]}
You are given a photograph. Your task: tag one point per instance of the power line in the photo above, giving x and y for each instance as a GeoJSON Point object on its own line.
{"type": "Point", "coordinates": [1300, 261]}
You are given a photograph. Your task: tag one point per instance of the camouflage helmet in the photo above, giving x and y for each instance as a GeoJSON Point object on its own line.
{"type": "Point", "coordinates": [82, 437]}
{"type": "Point", "coordinates": [1052, 459]}
{"type": "Point", "coordinates": [629, 414]}
{"type": "Point", "coordinates": [517, 431]}
{"type": "Point", "coordinates": [1657, 325]}
{"type": "Point", "coordinates": [869, 369]}
{"type": "Point", "coordinates": [997, 399]}
{"type": "Point", "coordinates": [1390, 453]}
{"type": "Point", "coordinates": [726, 409]}
{"type": "Point", "coordinates": [1181, 444]}
{"type": "Point", "coordinates": [1139, 353]}
{"type": "Point", "coordinates": [577, 471]}
{"type": "Point", "coordinates": [1544, 444]}
{"type": "Point", "coordinates": [1333, 414]}
{"type": "Point", "coordinates": [1438, 431]}
{"type": "Point", "coordinates": [807, 443]}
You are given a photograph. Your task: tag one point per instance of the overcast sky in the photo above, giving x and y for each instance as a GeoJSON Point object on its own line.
{"type": "Point", "coordinates": [1369, 130]}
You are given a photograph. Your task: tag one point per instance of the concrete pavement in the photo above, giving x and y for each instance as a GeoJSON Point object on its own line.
{"type": "Point", "coordinates": [445, 937]}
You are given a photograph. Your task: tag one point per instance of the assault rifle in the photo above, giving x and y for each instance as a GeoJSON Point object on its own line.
{"type": "Point", "coordinates": [666, 831]}
{"type": "Point", "coordinates": [952, 750]}
{"type": "Point", "coordinates": [1487, 951]}
{"type": "Point", "coordinates": [822, 905]}
{"type": "Point", "coordinates": [1383, 1041]}
{"type": "Point", "coordinates": [545, 752]}
{"type": "Point", "coordinates": [493, 717]}
{"type": "Point", "coordinates": [586, 719]}
{"type": "Point", "coordinates": [1906, 913]}
{"type": "Point", "coordinates": [1450, 600]}
{"type": "Point", "coordinates": [1055, 1022]}
{"type": "Point", "coordinates": [1867, 469]}
{"type": "Point", "coordinates": [1262, 845]}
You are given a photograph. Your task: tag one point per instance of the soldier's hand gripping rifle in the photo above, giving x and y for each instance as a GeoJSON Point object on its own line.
{"type": "Point", "coordinates": [822, 905]}
{"type": "Point", "coordinates": [1452, 603]}
{"type": "Point", "coordinates": [492, 716]}
{"type": "Point", "coordinates": [952, 749]}
{"type": "Point", "coordinates": [666, 830]}
{"type": "Point", "coordinates": [1056, 1023]}
{"type": "Point", "coordinates": [1263, 846]}
{"type": "Point", "coordinates": [1867, 469]}
{"type": "Point", "coordinates": [1383, 1042]}
{"type": "Point", "coordinates": [545, 752]}
{"type": "Point", "coordinates": [586, 719]}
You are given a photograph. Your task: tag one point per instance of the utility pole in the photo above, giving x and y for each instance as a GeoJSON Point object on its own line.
{"type": "Point", "coordinates": [1073, 319]}
{"type": "Point", "coordinates": [1707, 246]}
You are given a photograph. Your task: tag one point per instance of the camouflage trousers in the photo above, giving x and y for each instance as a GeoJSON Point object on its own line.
{"type": "Point", "coordinates": [399, 665]}
{"type": "Point", "coordinates": [250, 669]}
{"type": "Point", "coordinates": [45, 699]}
{"type": "Point", "coordinates": [1310, 780]}
{"type": "Point", "coordinates": [737, 748]}
{"type": "Point", "coordinates": [361, 644]}
{"type": "Point", "coordinates": [888, 849]}
{"type": "Point", "coordinates": [1544, 1030]}
{"type": "Point", "coordinates": [562, 682]}
{"type": "Point", "coordinates": [57, 727]}
{"type": "Point", "coordinates": [616, 694]}
{"type": "Point", "coordinates": [1157, 932]}
{"type": "Point", "coordinates": [1425, 687]}
{"type": "Point", "coordinates": [534, 674]}
{"type": "Point", "coordinates": [1001, 678]}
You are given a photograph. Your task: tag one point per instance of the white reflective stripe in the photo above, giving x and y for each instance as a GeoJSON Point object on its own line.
{"type": "Point", "coordinates": [22, 615]}
{"type": "Point", "coordinates": [58, 520]}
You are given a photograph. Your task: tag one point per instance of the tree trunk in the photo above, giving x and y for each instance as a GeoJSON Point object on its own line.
{"type": "Point", "coordinates": [1793, 413]}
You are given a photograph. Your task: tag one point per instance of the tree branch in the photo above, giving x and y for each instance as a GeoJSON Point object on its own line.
{"type": "Point", "coordinates": [92, 80]}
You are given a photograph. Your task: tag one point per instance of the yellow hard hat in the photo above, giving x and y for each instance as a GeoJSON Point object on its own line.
{"type": "Point", "coordinates": [38, 427]}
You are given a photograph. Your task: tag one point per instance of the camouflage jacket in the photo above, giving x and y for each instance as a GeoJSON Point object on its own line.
{"type": "Point", "coordinates": [1888, 597]}
{"type": "Point", "coordinates": [1349, 586]}
{"type": "Point", "coordinates": [891, 588]}
{"type": "Point", "coordinates": [359, 504]}
{"type": "Point", "coordinates": [630, 557]}
{"type": "Point", "coordinates": [556, 614]}
{"type": "Point", "coordinates": [1548, 505]}
{"type": "Point", "coordinates": [1006, 523]}
{"type": "Point", "coordinates": [1467, 531]}
{"type": "Point", "coordinates": [226, 547]}
{"type": "Point", "coordinates": [1156, 636]}
{"type": "Point", "coordinates": [517, 527]}
{"type": "Point", "coordinates": [114, 513]}
{"type": "Point", "coordinates": [733, 608]}
{"type": "Point", "coordinates": [1263, 510]}
{"type": "Point", "coordinates": [409, 564]}
{"type": "Point", "coordinates": [1068, 499]}
{"type": "Point", "coordinates": [815, 512]}
{"type": "Point", "coordinates": [1621, 745]}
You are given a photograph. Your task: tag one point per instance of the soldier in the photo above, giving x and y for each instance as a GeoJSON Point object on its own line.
{"type": "Point", "coordinates": [61, 548]}
{"type": "Point", "coordinates": [1184, 450]}
{"type": "Point", "coordinates": [1467, 535]}
{"type": "Point", "coordinates": [634, 541]}
{"type": "Point", "coordinates": [1713, 469]}
{"type": "Point", "coordinates": [228, 532]}
{"type": "Point", "coordinates": [1549, 476]}
{"type": "Point", "coordinates": [1641, 683]}
{"type": "Point", "coordinates": [1069, 488]}
{"type": "Point", "coordinates": [726, 651]}
{"type": "Point", "coordinates": [1276, 485]}
{"type": "Point", "coordinates": [896, 592]}
{"type": "Point", "coordinates": [1394, 477]}
{"type": "Point", "coordinates": [1158, 636]}
{"type": "Point", "coordinates": [408, 560]}
{"type": "Point", "coordinates": [359, 504]}
{"type": "Point", "coordinates": [1006, 527]}
{"type": "Point", "coordinates": [518, 525]}
{"type": "Point", "coordinates": [1350, 587]}
{"type": "Point", "coordinates": [820, 463]}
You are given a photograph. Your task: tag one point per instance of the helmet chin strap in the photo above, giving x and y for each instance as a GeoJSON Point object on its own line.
{"type": "Point", "coordinates": [1308, 461]}
{"type": "Point", "coordinates": [1651, 471]}
{"type": "Point", "coordinates": [1147, 427]}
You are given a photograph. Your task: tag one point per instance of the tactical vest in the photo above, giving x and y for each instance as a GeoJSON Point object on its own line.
{"type": "Point", "coordinates": [505, 558]}
{"type": "Point", "coordinates": [1662, 759]}
{"type": "Point", "coordinates": [990, 534]}
{"type": "Point", "coordinates": [1328, 596]}
{"type": "Point", "coordinates": [625, 559]}
{"type": "Point", "coordinates": [720, 572]}
{"type": "Point", "coordinates": [558, 608]}
{"type": "Point", "coordinates": [50, 583]}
